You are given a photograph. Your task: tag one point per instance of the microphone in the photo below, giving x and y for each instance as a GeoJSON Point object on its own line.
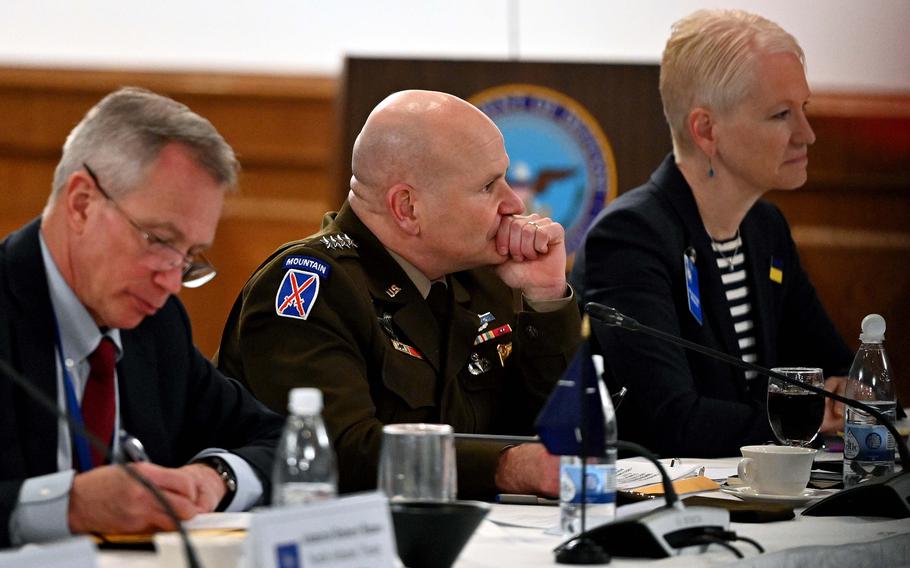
{"type": "Point", "coordinates": [574, 422]}
{"type": "Point", "coordinates": [51, 407]}
{"type": "Point", "coordinates": [657, 533]}
{"type": "Point", "coordinates": [886, 496]}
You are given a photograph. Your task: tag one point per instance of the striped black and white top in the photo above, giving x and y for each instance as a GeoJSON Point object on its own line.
{"type": "Point", "coordinates": [731, 263]}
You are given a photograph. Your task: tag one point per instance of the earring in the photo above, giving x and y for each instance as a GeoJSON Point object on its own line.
{"type": "Point", "coordinates": [710, 169]}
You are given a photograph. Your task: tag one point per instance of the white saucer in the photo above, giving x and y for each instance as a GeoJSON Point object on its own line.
{"type": "Point", "coordinates": [746, 493]}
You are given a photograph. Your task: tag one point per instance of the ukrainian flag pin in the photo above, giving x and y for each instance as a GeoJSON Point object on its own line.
{"type": "Point", "coordinates": [777, 272]}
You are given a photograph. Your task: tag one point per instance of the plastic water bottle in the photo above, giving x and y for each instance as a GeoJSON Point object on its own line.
{"type": "Point", "coordinates": [600, 481]}
{"type": "Point", "coordinates": [304, 462]}
{"type": "Point", "coordinates": [868, 446]}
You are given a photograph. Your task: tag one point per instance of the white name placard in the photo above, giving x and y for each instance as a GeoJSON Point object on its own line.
{"type": "Point", "coordinates": [73, 553]}
{"type": "Point", "coordinates": [349, 532]}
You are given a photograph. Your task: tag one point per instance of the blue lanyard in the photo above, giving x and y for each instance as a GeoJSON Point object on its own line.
{"type": "Point", "coordinates": [80, 443]}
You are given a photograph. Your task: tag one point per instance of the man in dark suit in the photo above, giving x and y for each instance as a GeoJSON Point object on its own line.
{"type": "Point", "coordinates": [350, 309]}
{"type": "Point", "coordinates": [88, 315]}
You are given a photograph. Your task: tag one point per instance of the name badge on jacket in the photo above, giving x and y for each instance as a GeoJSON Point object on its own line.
{"type": "Point", "coordinates": [692, 285]}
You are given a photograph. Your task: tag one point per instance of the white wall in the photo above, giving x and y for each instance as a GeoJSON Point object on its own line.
{"type": "Point", "coordinates": [850, 44]}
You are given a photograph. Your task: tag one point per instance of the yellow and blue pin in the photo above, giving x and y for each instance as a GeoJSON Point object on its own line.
{"type": "Point", "coordinates": [777, 270]}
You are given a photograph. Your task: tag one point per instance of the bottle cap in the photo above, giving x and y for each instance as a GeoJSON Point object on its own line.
{"type": "Point", "coordinates": [305, 401]}
{"type": "Point", "coordinates": [873, 329]}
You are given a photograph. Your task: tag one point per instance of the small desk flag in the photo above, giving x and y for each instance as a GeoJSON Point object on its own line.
{"type": "Point", "coordinates": [572, 423]}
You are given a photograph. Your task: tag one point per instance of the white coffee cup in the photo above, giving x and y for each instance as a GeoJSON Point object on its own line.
{"type": "Point", "coordinates": [776, 470]}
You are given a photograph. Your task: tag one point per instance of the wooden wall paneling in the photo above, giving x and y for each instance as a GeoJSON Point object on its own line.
{"type": "Point", "coordinates": [24, 186]}
{"type": "Point", "coordinates": [282, 128]}
{"type": "Point", "coordinates": [851, 221]}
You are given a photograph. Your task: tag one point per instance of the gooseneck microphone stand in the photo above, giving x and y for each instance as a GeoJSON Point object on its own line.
{"type": "Point", "coordinates": [582, 549]}
{"type": "Point", "coordinates": [52, 408]}
{"type": "Point", "coordinates": [887, 496]}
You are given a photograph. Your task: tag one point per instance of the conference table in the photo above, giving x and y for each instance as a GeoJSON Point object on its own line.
{"type": "Point", "coordinates": [518, 535]}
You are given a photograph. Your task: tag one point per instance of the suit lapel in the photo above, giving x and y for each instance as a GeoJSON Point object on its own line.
{"type": "Point", "coordinates": [390, 287]}
{"type": "Point", "coordinates": [140, 411]}
{"type": "Point", "coordinates": [415, 320]}
{"type": "Point", "coordinates": [715, 308]}
{"type": "Point", "coordinates": [758, 258]}
{"type": "Point", "coordinates": [34, 343]}
{"type": "Point", "coordinates": [464, 328]}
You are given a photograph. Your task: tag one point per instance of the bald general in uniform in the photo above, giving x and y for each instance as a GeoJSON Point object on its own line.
{"type": "Point", "coordinates": [345, 310]}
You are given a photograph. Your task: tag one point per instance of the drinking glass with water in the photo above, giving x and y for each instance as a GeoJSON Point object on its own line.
{"type": "Point", "coordinates": [795, 413]}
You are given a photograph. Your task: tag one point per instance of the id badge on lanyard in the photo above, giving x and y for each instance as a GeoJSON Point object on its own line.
{"type": "Point", "coordinates": [692, 294]}
{"type": "Point", "coordinates": [80, 442]}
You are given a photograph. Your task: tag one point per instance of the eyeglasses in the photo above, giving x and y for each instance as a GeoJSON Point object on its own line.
{"type": "Point", "coordinates": [197, 270]}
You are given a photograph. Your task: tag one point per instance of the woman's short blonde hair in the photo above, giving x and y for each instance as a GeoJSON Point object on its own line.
{"type": "Point", "coordinates": [709, 62]}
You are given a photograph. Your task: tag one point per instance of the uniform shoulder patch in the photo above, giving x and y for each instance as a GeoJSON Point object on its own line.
{"type": "Point", "coordinates": [297, 294]}
{"type": "Point", "coordinates": [308, 263]}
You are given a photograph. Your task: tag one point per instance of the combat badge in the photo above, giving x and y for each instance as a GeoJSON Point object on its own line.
{"type": "Point", "coordinates": [478, 364]}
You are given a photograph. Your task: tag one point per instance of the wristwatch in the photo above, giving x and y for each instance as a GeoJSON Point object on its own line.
{"type": "Point", "coordinates": [223, 469]}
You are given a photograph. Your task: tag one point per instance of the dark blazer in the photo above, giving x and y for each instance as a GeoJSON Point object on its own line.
{"type": "Point", "coordinates": [171, 397]}
{"type": "Point", "coordinates": [680, 402]}
{"type": "Point", "coordinates": [353, 346]}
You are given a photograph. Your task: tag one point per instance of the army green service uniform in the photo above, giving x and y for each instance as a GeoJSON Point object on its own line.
{"type": "Point", "coordinates": [335, 311]}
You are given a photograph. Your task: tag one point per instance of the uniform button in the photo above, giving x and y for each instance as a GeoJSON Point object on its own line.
{"type": "Point", "coordinates": [532, 332]}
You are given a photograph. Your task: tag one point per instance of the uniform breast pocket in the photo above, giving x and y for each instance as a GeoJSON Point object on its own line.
{"type": "Point", "coordinates": [409, 378]}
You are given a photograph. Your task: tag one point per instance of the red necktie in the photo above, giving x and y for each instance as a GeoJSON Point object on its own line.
{"type": "Point", "coordinates": [98, 399]}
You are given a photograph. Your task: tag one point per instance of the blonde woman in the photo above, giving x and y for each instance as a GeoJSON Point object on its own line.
{"type": "Point", "coordinates": [734, 92]}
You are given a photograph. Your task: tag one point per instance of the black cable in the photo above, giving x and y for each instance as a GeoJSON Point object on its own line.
{"type": "Point", "coordinates": [670, 495]}
{"type": "Point", "coordinates": [51, 407]}
{"type": "Point", "coordinates": [750, 541]}
{"type": "Point", "coordinates": [612, 317]}
{"type": "Point", "coordinates": [728, 536]}
{"type": "Point", "coordinates": [708, 538]}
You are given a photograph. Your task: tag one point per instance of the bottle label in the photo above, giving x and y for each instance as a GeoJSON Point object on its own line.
{"type": "Point", "coordinates": [868, 442]}
{"type": "Point", "coordinates": [600, 483]}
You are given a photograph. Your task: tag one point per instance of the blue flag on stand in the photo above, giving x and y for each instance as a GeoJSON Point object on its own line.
{"type": "Point", "coordinates": [566, 425]}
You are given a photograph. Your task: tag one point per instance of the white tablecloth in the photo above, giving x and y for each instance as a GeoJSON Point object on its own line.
{"type": "Point", "coordinates": [804, 541]}
{"type": "Point", "coordinates": [505, 539]}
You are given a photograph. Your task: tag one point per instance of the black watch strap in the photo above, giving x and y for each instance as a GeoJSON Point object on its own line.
{"type": "Point", "coordinates": [224, 470]}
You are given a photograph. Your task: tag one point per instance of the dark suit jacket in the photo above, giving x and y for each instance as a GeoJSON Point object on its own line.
{"type": "Point", "coordinates": [350, 347]}
{"type": "Point", "coordinates": [171, 397]}
{"type": "Point", "coordinates": [680, 402]}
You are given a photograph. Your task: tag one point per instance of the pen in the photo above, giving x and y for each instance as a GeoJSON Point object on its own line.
{"type": "Point", "coordinates": [132, 448]}
{"type": "Point", "coordinates": [521, 499]}
{"type": "Point", "coordinates": [498, 438]}
{"type": "Point", "coordinates": [618, 398]}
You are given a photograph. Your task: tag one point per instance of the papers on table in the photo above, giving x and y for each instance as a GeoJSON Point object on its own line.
{"type": "Point", "coordinates": [523, 516]}
{"type": "Point", "coordinates": [222, 521]}
{"type": "Point", "coordinates": [719, 473]}
{"type": "Point", "coordinates": [632, 473]}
